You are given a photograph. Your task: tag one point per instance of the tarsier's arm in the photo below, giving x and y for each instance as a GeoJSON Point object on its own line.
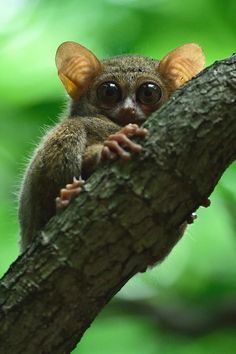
{"type": "Point", "coordinates": [113, 146]}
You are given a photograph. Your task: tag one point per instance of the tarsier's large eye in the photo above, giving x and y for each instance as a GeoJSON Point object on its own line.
{"type": "Point", "coordinates": [109, 93]}
{"type": "Point", "coordinates": [149, 93]}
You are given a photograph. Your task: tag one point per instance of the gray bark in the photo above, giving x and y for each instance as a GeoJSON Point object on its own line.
{"type": "Point", "coordinates": [129, 217]}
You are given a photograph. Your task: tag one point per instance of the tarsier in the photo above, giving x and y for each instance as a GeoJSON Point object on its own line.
{"type": "Point", "coordinates": [109, 100]}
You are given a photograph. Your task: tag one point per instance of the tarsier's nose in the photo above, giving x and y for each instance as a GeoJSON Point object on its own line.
{"type": "Point", "coordinates": [129, 111]}
{"type": "Point", "coordinates": [127, 115]}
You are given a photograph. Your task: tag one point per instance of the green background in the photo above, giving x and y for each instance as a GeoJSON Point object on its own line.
{"type": "Point", "coordinates": [199, 275]}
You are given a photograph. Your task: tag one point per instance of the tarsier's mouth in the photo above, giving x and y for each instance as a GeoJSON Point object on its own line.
{"type": "Point", "coordinates": [125, 117]}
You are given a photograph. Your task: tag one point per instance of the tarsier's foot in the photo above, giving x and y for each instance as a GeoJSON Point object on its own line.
{"type": "Point", "coordinates": [68, 193]}
{"type": "Point", "coordinates": [114, 145]}
{"type": "Point", "coordinates": [191, 218]}
{"type": "Point", "coordinates": [205, 203]}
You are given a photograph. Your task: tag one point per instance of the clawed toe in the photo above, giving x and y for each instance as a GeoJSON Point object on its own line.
{"type": "Point", "coordinates": [61, 204]}
{"type": "Point", "coordinates": [205, 203]}
{"type": "Point", "coordinates": [68, 193]}
{"type": "Point", "coordinates": [191, 218]}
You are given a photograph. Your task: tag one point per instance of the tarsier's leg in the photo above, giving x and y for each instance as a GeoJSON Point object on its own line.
{"type": "Point", "coordinates": [68, 193]}
{"type": "Point", "coordinates": [114, 145]}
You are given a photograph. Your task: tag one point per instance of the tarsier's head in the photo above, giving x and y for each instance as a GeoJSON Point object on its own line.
{"type": "Point", "coordinates": [126, 89]}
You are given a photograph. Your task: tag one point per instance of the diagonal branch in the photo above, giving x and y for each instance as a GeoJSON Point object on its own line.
{"type": "Point", "coordinates": [129, 217]}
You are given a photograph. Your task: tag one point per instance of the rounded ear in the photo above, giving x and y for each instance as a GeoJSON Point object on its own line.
{"type": "Point", "coordinates": [77, 66]}
{"type": "Point", "coordinates": [181, 64]}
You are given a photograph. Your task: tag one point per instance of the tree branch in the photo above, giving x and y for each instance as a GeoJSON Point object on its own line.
{"type": "Point", "coordinates": [180, 317]}
{"type": "Point", "coordinates": [129, 217]}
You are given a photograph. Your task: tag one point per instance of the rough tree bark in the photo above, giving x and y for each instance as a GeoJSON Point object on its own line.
{"type": "Point", "coordinates": [128, 217]}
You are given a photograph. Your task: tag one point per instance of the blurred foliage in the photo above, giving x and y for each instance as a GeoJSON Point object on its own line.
{"type": "Point", "coordinates": [201, 270]}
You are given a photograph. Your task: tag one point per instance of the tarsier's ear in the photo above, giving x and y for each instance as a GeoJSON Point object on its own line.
{"type": "Point", "coordinates": [77, 66]}
{"type": "Point", "coordinates": [181, 64]}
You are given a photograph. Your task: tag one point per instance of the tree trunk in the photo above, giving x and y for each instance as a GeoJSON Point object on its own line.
{"type": "Point", "coordinates": [130, 216]}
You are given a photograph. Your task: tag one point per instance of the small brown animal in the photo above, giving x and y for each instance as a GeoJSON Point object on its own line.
{"type": "Point", "coordinates": [110, 99]}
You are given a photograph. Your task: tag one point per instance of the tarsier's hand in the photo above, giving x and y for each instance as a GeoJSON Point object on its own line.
{"type": "Point", "coordinates": [114, 145]}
